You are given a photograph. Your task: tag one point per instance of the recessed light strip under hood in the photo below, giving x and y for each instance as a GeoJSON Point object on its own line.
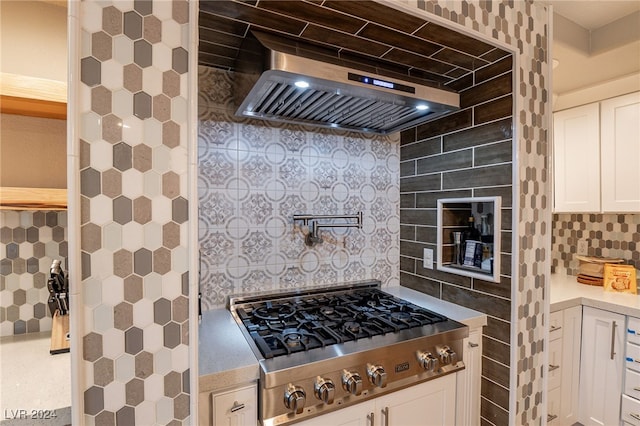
{"type": "Point", "coordinates": [298, 89]}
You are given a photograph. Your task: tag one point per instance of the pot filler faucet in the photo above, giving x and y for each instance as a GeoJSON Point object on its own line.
{"type": "Point", "coordinates": [311, 221]}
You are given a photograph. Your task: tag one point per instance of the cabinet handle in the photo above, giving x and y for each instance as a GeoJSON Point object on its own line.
{"type": "Point", "coordinates": [635, 416]}
{"type": "Point", "coordinates": [554, 328]}
{"type": "Point", "coordinates": [385, 414]}
{"type": "Point", "coordinates": [473, 345]}
{"type": "Point", "coordinates": [371, 418]}
{"type": "Point", "coordinates": [236, 406]}
{"type": "Point", "coordinates": [613, 339]}
{"type": "Point", "coordinates": [553, 367]}
{"type": "Point", "coordinates": [637, 389]}
{"type": "Point", "coordinates": [551, 417]}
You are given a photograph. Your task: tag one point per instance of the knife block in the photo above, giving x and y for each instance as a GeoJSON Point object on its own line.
{"type": "Point", "coordinates": [59, 334]}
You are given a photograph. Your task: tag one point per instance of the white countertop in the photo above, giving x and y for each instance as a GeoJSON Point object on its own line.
{"type": "Point", "coordinates": [226, 360]}
{"type": "Point", "coordinates": [31, 378]}
{"type": "Point", "coordinates": [567, 292]}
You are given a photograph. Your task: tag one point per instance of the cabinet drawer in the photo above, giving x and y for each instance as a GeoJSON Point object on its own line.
{"type": "Point", "coordinates": [555, 325]}
{"type": "Point", "coordinates": [630, 410]}
{"type": "Point", "coordinates": [553, 406]}
{"type": "Point", "coordinates": [237, 407]}
{"type": "Point", "coordinates": [555, 360]}
{"type": "Point", "coordinates": [632, 358]}
{"type": "Point", "coordinates": [633, 330]}
{"type": "Point", "coordinates": [632, 383]}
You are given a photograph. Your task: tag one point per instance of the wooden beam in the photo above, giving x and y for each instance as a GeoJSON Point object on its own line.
{"type": "Point", "coordinates": [15, 198]}
{"type": "Point", "coordinates": [32, 96]}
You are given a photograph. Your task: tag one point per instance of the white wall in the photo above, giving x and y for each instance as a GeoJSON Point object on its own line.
{"type": "Point", "coordinates": [598, 92]}
{"type": "Point", "coordinates": [33, 39]}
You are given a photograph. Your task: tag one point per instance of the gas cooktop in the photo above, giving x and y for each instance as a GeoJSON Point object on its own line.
{"type": "Point", "coordinates": [326, 348]}
{"type": "Point", "coordinates": [289, 325]}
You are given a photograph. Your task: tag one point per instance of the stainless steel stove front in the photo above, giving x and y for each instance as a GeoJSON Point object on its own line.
{"type": "Point", "coordinates": [296, 393]}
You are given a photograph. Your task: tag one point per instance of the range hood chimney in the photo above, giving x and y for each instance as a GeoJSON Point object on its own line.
{"type": "Point", "coordinates": [281, 80]}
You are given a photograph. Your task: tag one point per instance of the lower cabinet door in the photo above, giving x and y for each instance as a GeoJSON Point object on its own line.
{"type": "Point", "coordinates": [432, 403]}
{"type": "Point", "coordinates": [553, 407]}
{"type": "Point", "coordinates": [601, 367]}
{"type": "Point", "coordinates": [354, 415]}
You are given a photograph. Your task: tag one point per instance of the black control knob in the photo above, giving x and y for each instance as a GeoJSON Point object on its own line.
{"type": "Point", "coordinates": [325, 390]}
{"type": "Point", "coordinates": [428, 361]}
{"type": "Point", "coordinates": [294, 398]}
{"type": "Point", "coordinates": [377, 375]}
{"type": "Point", "coordinates": [352, 382]}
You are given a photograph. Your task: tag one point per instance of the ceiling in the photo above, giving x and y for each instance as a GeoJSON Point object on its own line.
{"type": "Point", "coordinates": [594, 41]}
{"type": "Point", "coordinates": [393, 42]}
{"type": "Point", "coordinates": [593, 14]}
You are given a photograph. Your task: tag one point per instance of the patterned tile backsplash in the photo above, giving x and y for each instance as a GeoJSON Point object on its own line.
{"type": "Point", "coordinates": [608, 235]}
{"type": "Point", "coordinates": [29, 242]}
{"type": "Point", "coordinates": [254, 176]}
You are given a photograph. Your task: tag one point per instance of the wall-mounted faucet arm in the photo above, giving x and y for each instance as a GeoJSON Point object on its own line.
{"type": "Point", "coordinates": [312, 222]}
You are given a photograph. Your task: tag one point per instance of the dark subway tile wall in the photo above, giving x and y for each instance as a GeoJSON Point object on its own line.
{"type": "Point", "coordinates": [468, 153]}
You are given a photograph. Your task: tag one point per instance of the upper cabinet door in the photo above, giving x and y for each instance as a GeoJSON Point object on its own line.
{"type": "Point", "coordinates": [620, 151]}
{"type": "Point", "coordinates": [576, 165]}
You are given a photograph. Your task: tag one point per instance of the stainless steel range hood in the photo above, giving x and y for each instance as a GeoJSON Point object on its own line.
{"type": "Point", "coordinates": [281, 80]}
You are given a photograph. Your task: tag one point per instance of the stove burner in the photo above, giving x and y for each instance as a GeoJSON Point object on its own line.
{"type": "Point", "coordinates": [327, 310]}
{"type": "Point", "coordinates": [401, 316]}
{"type": "Point", "coordinates": [274, 313]}
{"type": "Point", "coordinates": [352, 327]}
{"type": "Point", "coordinates": [294, 338]}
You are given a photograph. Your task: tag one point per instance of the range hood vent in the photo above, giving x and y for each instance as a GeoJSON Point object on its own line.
{"type": "Point", "coordinates": [278, 79]}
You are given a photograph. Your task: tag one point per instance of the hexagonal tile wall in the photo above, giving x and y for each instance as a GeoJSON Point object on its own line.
{"type": "Point", "coordinates": [133, 211]}
{"type": "Point", "coordinates": [608, 235]}
{"type": "Point", "coordinates": [29, 242]}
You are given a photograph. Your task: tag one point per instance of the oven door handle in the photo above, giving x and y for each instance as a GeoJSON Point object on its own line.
{"type": "Point", "coordinates": [385, 415]}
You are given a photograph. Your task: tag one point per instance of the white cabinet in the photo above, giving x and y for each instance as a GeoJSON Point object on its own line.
{"type": "Point", "coordinates": [620, 153]}
{"type": "Point", "coordinates": [427, 404]}
{"type": "Point", "coordinates": [601, 367]}
{"type": "Point", "coordinates": [630, 410]}
{"type": "Point", "coordinates": [576, 164]}
{"type": "Point", "coordinates": [235, 407]}
{"type": "Point", "coordinates": [570, 375]}
{"type": "Point", "coordinates": [596, 153]}
{"type": "Point", "coordinates": [468, 381]}
{"type": "Point", "coordinates": [563, 371]}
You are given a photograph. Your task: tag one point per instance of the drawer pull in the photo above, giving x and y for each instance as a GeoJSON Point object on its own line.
{"type": "Point", "coordinates": [236, 406]}
{"type": "Point", "coordinates": [635, 416]}
{"type": "Point", "coordinates": [554, 328]}
{"type": "Point", "coordinates": [473, 345]}
{"type": "Point", "coordinates": [551, 417]}
{"type": "Point", "coordinates": [637, 389]}
{"type": "Point", "coordinates": [371, 418]}
{"type": "Point", "coordinates": [613, 339]}
{"type": "Point", "coordinates": [553, 367]}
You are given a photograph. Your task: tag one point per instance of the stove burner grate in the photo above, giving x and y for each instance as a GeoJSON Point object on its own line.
{"type": "Point", "coordinates": [283, 327]}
